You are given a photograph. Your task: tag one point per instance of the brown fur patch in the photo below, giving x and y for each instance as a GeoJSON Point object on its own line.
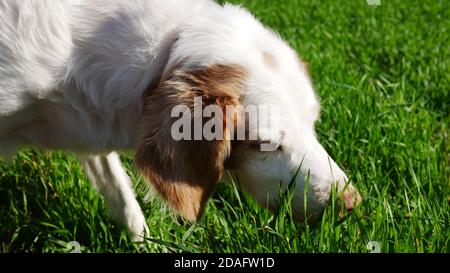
{"type": "Point", "coordinates": [185, 172]}
{"type": "Point", "coordinates": [304, 66]}
{"type": "Point", "coordinates": [269, 60]}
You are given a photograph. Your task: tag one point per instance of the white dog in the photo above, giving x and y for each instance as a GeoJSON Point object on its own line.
{"type": "Point", "coordinates": [95, 77]}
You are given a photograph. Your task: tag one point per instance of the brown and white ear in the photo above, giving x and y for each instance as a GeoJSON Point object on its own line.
{"type": "Point", "coordinates": [185, 172]}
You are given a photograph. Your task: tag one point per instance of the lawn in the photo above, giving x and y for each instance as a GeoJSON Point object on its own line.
{"type": "Point", "coordinates": [383, 77]}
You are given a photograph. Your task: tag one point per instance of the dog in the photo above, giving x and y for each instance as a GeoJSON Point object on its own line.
{"type": "Point", "coordinates": [95, 78]}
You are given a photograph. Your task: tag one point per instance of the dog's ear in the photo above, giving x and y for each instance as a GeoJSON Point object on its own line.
{"type": "Point", "coordinates": [185, 172]}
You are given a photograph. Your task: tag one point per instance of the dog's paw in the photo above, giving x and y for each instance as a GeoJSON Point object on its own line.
{"type": "Point", "coordinates": [137, 226]}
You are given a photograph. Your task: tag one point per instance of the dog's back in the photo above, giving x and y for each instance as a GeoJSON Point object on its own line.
{"type": "Point", "coordinates": [34, 45]}
{"type": "Point", "coordinates": [72, 71]}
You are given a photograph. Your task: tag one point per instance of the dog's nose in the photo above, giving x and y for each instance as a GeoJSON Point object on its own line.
{"type": "Point", "coordinates": [350, 197]}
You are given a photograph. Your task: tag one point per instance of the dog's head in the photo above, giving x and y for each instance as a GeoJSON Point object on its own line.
{"type": "Point", "coordinates": [235, 97]}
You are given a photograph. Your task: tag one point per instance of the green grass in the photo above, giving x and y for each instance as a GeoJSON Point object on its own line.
{"type": "Point", "coordinates": [383, 76]}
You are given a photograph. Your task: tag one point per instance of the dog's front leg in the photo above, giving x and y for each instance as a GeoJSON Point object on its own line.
{"type": "Point", "coordinates": [111, 180]}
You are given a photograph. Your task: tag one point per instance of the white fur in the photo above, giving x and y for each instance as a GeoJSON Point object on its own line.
{"type": "Point", "coordinates": [111, 180]}
{"type": "Point", "coordinates": [73, 73]}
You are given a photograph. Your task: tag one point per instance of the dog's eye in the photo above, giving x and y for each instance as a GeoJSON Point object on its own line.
{"type": "Point", "coordinates": [280, 148]}
{"type": "Point", "coordinates": [255, 145]}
